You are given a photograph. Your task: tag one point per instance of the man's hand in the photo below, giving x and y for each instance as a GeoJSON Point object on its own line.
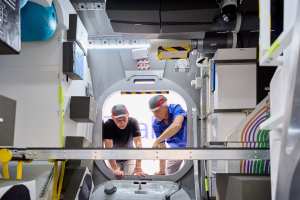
{"type": "Point", "coordinates": [162, 163]}
{"type": "Point", "coordinates": [139, 172]}
{"type": "Point", "coordinates": [160, 173]}
{"type": "Point", "coordinates": [156, 144]}
{"type": "Point", "coordinates": [118, 173]}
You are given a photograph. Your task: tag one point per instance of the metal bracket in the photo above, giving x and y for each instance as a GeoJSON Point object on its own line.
{"type": "Point", "coordinates": [86, 6]}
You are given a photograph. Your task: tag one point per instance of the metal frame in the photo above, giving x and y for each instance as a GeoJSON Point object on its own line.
{"type": "Point", "coordinates": [117, 43]}
{"type": "Point", "coordinates": [43, 154]}
{"type": "Point", "coordinates": [196, 162]}
{"type": "Point", "coordinates": [285, 129]}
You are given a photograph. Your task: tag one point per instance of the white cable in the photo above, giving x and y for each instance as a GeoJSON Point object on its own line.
{"type": "Point", "coordinates": [238, 23]}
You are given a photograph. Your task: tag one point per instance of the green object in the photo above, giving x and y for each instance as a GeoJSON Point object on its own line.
{"type": "Point", "coordinates": [273, 48]}
{"type": "Point", "coordinates": [61, 102]}
{"type": "Point", "coordinates": [206, 185]}
{"type": "Point", "coordinates": [263, 139]}
{"type": "Point", "coordinates": [254, 170]}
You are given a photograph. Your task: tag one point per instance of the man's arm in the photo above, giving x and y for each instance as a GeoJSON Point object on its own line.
{"type": "Point", "coordinates": [138, 164]}
{"type": "Point", "coordinates": [108, 143]}
{"type": "Point", "coordinates": [170, 131]}
{"type": "Point", "coordinates": [162, 163]}
{"type": "Point", "coordinates": [138, 144]}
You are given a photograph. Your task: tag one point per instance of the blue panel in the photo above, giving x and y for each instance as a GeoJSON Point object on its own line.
{"type": "Point", "coordinates": [38, 23]}
{"type": "Point", "coordinates": [78, 67]}
{"type": "Point", "coordinates": [213, 77]}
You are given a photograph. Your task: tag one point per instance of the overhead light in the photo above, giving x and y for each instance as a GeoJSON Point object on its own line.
{"type": "Point", "coordinates": [126, 46]}
{"type": "Point", "coordinates": [144, 92]}
{"type": "Point", "coordinates": [119, 44]}
{"type": "Point", "coordinates": [144, 81]}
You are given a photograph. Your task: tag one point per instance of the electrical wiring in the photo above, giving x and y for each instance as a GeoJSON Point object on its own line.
{"type": "Point", "coordinates": [249, 132]}
{"type": "Point", "coordinates": [254, 129]}
{"type": "Point", "coordinates": [243, 135]}
{"type": "Point", "coordinates": [261, 144]}
{"type": "Point", "coordinates": [255, 167]}
{"type": "Point", "coordinates": [250, 165]}
{"type": "Point", "coordinates": [258, 137]}
{"type": "Point", "coordinates": [263, 138]}
{"type": "Point", "coordinates": [258, 166]}
{"type": "Point", "coordinates": [244, 164]}
{"type": "Point", "coordinates": [250, 122]}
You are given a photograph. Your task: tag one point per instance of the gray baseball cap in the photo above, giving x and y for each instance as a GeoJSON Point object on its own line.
{"type": "Point", "coordinates": [119, 110]}
{"type": "Point", "coordinates": [156, 102]}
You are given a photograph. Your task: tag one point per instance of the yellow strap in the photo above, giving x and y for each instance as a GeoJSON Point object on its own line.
{"type": "Point", "coordinates": [61, 102]}
{"type": "Point", "coordinates": [174, 49]}
{"type": "Point", "coordinates": [61, 178]}
{"type": "Point", "coordinates": [19, 170]}
{"type": "Point", "coordinates": [171, 49]}
{"type": "Point", "coordinates": [5, 170]}
{"type": "Point", "coordinates": [273, 48]}
{"type": "Point", "coordinates": [61, 97]}
{"type": "Point", "coordinates": [162, 50]}
{"type": "Point", "coordinates": [62, 128]}
{"type": "Point", "coordinates": [206, 185]}
{"type": "Point", "coordinates": [160, 56]}
{"type": "Point", "coordinates": [55, 181]}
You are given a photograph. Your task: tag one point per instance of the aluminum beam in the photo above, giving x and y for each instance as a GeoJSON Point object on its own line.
{"type": "Point", "coordinates": [142, 154]}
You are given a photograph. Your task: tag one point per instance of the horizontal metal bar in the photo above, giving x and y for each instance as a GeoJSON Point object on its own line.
{"type": "Point", "coordinates": [235, 61]}
{"type": "Point", "coordinates": [142, 154]}
{"type": "Point", "coordinates": [243, 110]}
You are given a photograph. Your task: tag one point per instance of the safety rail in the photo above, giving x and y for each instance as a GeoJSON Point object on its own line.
{"type": "Point", "coordinates": [44, 154]}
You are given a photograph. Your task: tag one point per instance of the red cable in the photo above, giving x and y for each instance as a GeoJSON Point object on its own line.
{"type": "Point", "coordinates": [246, 128]}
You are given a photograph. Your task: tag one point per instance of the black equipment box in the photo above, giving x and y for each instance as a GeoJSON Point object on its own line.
{"type": "Point", "coordinates": [7, 121]}
{"type": "Point", "coordinates": [83, 109]}
{"type": "Point", "coordinates": [10, 34]}
{"type": "Point", "coordinates": [73, 60]}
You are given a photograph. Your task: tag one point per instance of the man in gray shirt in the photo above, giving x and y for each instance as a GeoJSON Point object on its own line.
{"type": "Point", "coordinates": [123, 131]}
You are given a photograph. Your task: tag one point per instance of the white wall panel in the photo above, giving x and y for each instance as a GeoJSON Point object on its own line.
{"type": "Point", "coordinates": [235, 86]}
{"type": "Point", "coordinates": [32, 79]}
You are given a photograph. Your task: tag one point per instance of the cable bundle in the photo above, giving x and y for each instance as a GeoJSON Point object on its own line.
{"type": "Point", "coordinates": [253, 137]}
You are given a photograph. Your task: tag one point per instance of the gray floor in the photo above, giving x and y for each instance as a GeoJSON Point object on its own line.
{"type": "Point", "coordinates": [133, 190]}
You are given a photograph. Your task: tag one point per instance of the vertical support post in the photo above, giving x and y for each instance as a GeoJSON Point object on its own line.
{"type": "Point", "coordinates": [19, 170]}
{"type": "Point", "coordinates": [203, 105]}
{"type": "Point", "coordinates": [203, 112]}
{"type": "Point", "coordinates": [5, 171]}
{"type": "Point", "coordinates": [264, 27]}
{"type": "Point", "coordinates": [55, 180]}
{"type": "Point", "coordinates": [196, 162]}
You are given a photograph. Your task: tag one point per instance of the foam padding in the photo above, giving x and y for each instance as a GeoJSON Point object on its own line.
{"type": "Point", "coordinates": [38, 23]}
